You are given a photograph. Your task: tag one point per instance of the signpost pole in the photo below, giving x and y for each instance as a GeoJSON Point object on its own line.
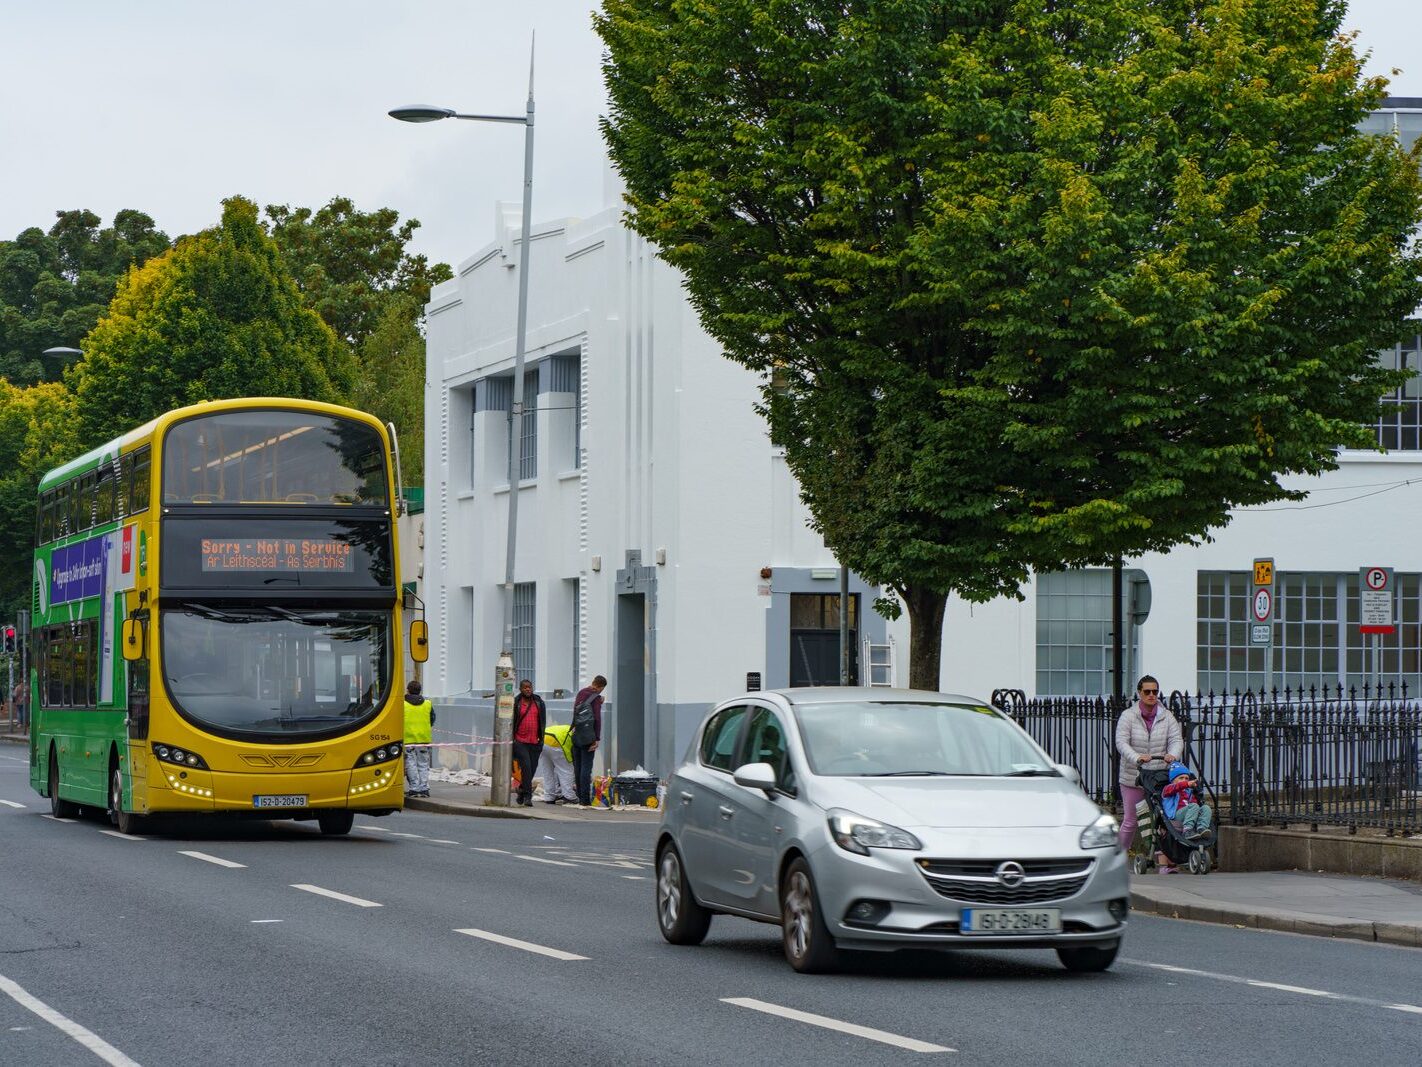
{"type": "Point", "coordinates": [1261, 615]}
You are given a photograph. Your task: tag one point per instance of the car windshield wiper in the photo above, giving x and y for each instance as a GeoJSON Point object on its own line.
{"type": "Point", "coordinates": [910, 774]}
{"type": "Point", "coordinates": [1031, 772]}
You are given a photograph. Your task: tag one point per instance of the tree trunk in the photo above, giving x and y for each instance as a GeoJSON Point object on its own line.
{"type": "Point", "coordinates": [925, 611]}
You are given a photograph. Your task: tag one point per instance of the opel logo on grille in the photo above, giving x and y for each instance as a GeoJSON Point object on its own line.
{"type": "Point", "coordinates": [1010, 874]}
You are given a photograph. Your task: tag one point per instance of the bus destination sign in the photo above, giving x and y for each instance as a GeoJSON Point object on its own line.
{"type": "Point", "coordinates": [286, 555]}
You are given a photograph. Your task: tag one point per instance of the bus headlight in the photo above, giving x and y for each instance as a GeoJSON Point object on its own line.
{"type": "Point", "coordinates": [383, 754]}
{"type": "Point", "coordinates": [180, 756]}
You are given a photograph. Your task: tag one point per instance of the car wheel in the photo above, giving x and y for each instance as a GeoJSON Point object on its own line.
{"type": "Point", "coordinates": [808, 945]}
{"type": "Point", "coordinates": [58, 807]}
{"type": "Point", "coordinates": [125, 822]}
{"type": "Point", "coordinates": [335, 823]}
{"type": "Point", "coordinates": [1088, 958]}
{"type": "Point", "coordinates": [680, 918]}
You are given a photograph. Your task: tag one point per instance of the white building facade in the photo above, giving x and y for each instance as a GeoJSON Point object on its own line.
{"type": "Point", "coordinates": [661, 541]}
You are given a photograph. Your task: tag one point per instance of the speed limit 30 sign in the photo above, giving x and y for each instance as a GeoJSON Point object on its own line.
{"type": "Point", "coordinates": [1261, 605]}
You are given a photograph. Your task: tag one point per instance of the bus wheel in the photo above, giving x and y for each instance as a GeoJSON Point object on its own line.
{"type": "Point", "coordinates": [335, 823]}
{"type": "Point", "coordinates": [58, 807]}
{"type": "Point", "coordinates": [124, 821]}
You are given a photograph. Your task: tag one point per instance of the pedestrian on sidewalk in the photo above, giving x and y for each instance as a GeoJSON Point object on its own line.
{"type": "Point", "coordinates": [419, 723]}
{"type": "Point", "coordinates": [1145, 731]}
{"type": "Point", "coordinates": [20, 696]}
{"type": "Point", "coordinates": [555, 765]}
{"type": "Point", "coordinates": [587, 734]}
{"type": "Point", "coordinates": [529, 721]}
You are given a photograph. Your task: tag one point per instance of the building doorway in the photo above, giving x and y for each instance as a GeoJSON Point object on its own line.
{"type": "Point", "coordinates": [814, 639]}
{"type": "Point", "coordinates": [630, 710]}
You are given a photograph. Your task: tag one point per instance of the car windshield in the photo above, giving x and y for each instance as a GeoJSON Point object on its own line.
{"type": "Point", "coordinates": [903, 739]}
{"type": "Point", "coordinates": [272, 671]}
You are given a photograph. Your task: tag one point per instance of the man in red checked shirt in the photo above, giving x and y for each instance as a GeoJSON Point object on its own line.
{"type": "Point", "coordinates": [530, 719]}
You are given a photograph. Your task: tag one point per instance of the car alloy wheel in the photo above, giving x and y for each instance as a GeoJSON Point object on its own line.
{"type": "Point", "coordinates": [808, 945]}
{"type": "Point", "coordinates": [680, 918]}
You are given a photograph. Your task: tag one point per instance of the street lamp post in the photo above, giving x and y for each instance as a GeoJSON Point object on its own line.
{"type": "Point", "coordinates": [504, 667]}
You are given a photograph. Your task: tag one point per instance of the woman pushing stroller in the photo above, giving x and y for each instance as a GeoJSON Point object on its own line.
{"type": "Point", "coordinates": [1145, 731]}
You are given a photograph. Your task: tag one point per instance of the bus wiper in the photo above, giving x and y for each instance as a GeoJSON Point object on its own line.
{"type": "Point", "coordinates": [213, 613]}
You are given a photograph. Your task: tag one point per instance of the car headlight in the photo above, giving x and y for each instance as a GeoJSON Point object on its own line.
{"type": "Point", "coordinates": [855, 833]}
{"type": "Point", "coordinates": [1103, 833]}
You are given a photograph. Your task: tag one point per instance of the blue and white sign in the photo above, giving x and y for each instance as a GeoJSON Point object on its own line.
{"type": "Point", "coordinates": [77, 571]}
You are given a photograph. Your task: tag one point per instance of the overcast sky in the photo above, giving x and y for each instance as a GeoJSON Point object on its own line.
{"type": "Point", "coordinates": [168, 106]}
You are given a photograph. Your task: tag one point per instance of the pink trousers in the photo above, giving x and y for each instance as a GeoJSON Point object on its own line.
{"type": "Point", "coordinates": [1131, 795]}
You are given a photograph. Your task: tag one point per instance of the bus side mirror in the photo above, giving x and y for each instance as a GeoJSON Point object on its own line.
{"type": "Point", "coordinates": [132, 639]}
{"type": "Point", "coordinates": [420, 641]}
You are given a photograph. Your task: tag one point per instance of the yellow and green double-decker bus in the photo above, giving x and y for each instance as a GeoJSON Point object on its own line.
{"type": "Point", "coordinates": [217, 623]}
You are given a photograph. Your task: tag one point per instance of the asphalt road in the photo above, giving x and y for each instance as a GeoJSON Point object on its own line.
{"type": "Point", "coordinates": [264, 943]}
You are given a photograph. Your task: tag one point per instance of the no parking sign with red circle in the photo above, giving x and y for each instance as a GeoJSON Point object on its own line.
{"type": "Point", "coordinates": [1375, 596]}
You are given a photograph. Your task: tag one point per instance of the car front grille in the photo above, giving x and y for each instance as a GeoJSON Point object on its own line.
{"type": "Point", "coordinates": [976, 881]}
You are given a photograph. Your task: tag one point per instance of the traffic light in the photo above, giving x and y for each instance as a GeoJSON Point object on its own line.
{"type": "Point", "coordinates": [9, 639]}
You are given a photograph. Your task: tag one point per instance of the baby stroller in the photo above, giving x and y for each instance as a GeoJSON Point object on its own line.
{"type": "Point", "coordinates": [1163, 836]}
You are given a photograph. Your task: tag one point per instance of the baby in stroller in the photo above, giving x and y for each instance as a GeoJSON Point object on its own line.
{"type": "Point", "coordinates": [1182, 803]}
{"type": "Point", "coordinates": [1180, 829]}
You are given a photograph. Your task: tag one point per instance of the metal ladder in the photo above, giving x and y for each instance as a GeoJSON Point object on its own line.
{"type": "Point", "coordinates": [879, 659]}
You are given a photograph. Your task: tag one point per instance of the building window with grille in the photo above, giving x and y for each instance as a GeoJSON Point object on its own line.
{"type": "Point", "coordinates": [1317, 642]}
{"type": "Point", "coordinates": [528, 438]}
{"type": "Point", "coordinates": [523, 631]}
{"type": "Point", "coordinates": [1399, 428]}
{"type": "Point", "coordinates": [1075, 655]}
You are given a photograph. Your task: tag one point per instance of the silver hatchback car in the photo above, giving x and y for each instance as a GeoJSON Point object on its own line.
{"type": "Point", "coordinates": [886, 819]}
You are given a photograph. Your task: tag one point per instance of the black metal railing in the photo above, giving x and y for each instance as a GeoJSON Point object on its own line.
{"type": "Point", "coordinates": [1317, 757]}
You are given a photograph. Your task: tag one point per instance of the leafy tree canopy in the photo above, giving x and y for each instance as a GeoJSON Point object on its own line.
{"type": "Point", "coordinates": [1038, 285]}
{"type": "Point", "coordinates": [37, 433]}
{"type": "Point", "coordinates": [218, 316]}
{"type": "Point", "coordinates": [392, 385]}
{"type": "Point", "coordinates": [55, 285]}
{"type": "Point", "coordinates": [350, 264]}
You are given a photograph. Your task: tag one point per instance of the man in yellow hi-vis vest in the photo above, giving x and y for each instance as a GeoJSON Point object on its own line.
{"type": "Point", "coordinates": [419, 720]}
{"type": "Point", "coordinates": [555, 766]}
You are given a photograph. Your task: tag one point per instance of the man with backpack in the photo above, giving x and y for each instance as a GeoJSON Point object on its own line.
{"type": "Point", "coordinates": [586, 733]}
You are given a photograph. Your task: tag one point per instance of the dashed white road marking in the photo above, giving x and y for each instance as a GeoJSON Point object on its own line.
{"type": "Point", "coordinates": [526, 946]}
{"type": "Point", "coordinates": [212, 859]}
{"type": "Point", "coordinates": [1413, 1009]}
{"type": "Point", "coordinates": [11, 804]}
{"type": "Point", "coordinates": [540, 859]}
{"type": "Point", "coordinates": [259, 921]}
{"type": "Point", "coordinates": [909, 1044]}
{"type": "Point", "coordinates": [500, 851]}
{"type": "Point", "coordinates": [635, 877]}
{"type": "Point", "coordinates": [359, 902]}
{"type": "Point", "coordinates": [56, 818]}
{"type": "Point", "coordinates": [90, 1040]}
{"type": "Point", "coordinates": [391, 833]}
{"type": "Point", "coordinates": [442, 841]}
{"type": "Point", "coordinates": [123, 837]}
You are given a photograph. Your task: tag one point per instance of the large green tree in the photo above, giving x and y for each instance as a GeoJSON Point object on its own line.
{"type": "Point", "coordinates": [37, 432]}
{"type": "Point", "coordinates": [1030, 285]}
{"type": "Point", "coordinates": [218, 316]}
{"type": "Point", "coordinates": [392, 383]}
{"type": "Point", "coordinates": [55, 285]}
{"type": "Point", "coordinates": [351, 264]}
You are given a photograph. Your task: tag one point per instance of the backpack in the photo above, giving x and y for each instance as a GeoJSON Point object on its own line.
{"type": "Point", "coordinates": [583, 730]}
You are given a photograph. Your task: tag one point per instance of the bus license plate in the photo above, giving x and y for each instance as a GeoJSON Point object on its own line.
{"type": "Point", "coordinates": [1010, 921]}
{"type": "Point", "coordinates": [279, 800]}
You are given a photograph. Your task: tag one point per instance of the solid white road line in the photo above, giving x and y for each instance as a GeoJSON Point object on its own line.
{"type": "Point", "coordinates": [91, 1041]}
{"type": "Point", "coordinates": [123, 837]}
{"type": "Point", "coordinates": [540, 859]}
{"type": "Point", "coordinates": [1414, 1009]}
{"type": "Point", "coordinates": [56, 818]}
{"type": "Point", "coordinates": [11, 804]}
{"type": "Point", "coordinates": [527, 946]}
{"type": "Point", "coordinates": [357, 901]}
{"type": "Point", "coordinates": [212, 859]}
{"type": "Point", "coordinates": [884, 1037]}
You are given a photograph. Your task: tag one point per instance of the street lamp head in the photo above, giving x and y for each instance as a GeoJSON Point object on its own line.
{"type": "Point", "coordinates": [60, 352]}
{"type": "Point", "coordinates": [421, 113]}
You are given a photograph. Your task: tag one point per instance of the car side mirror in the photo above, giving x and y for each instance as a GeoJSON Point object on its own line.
{"type": "Point", "coordinates": [1068, 772]}
{"type": "Point", "coordinates": [756, 776]}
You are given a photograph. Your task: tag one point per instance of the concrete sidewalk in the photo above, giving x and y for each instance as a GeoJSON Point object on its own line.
{"type": "Point", "coordinates": [453, 799]}
{"type": "Point", "coordinates": [1300, 902]}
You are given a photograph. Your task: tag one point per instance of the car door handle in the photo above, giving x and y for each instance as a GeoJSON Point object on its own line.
{"type": "Point", "coordinates": [687, 798]}
{"type": "Point", "coordinates": [726, 811]}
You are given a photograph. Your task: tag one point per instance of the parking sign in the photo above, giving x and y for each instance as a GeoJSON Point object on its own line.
{"type": "Point", "coordinates": [1375, 596]}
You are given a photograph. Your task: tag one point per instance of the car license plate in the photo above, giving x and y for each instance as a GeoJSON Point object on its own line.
{"type": "Point", "coordinates": [1010, 921]}
{"type": "Point", "coordinates": [279, 800]}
